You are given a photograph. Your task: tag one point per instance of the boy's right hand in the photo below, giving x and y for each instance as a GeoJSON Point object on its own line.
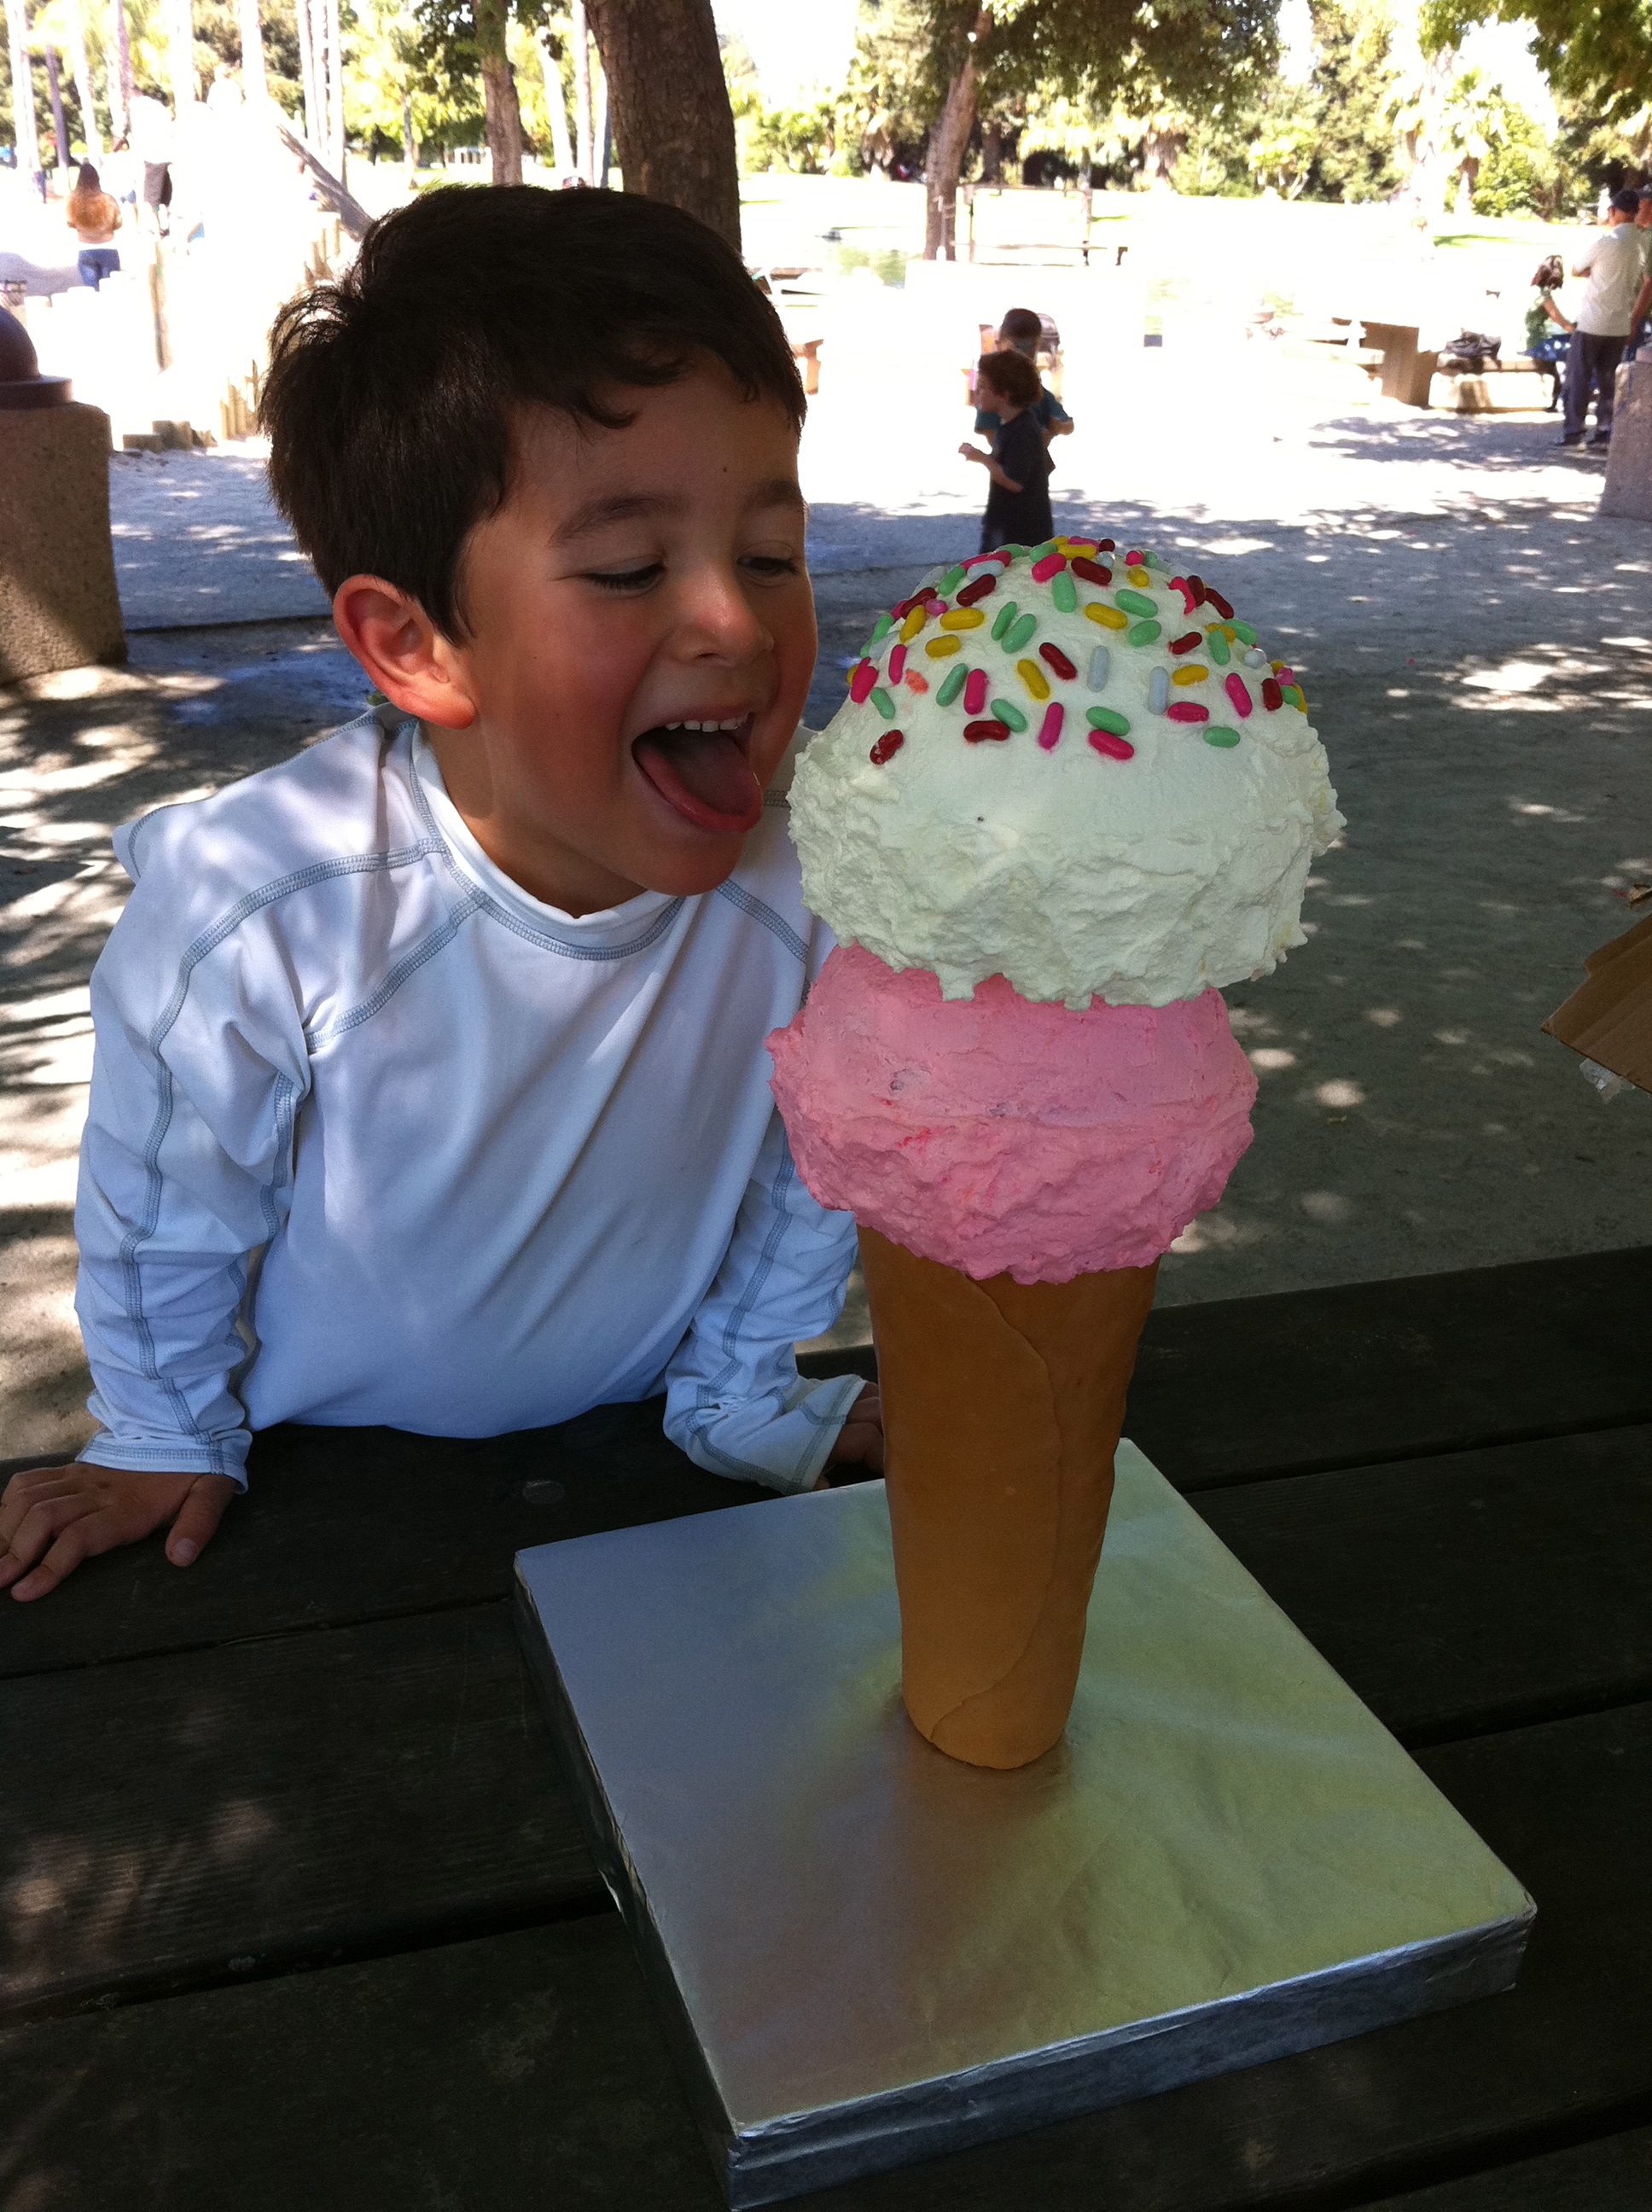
{"type": "Point", "coordinates": [53, 1517]}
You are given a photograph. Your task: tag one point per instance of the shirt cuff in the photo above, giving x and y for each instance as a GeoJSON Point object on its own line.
{"type": "Point", "coordinates": [782, 1442]}
{"type": "Point", "coordinates": [172, 1455]}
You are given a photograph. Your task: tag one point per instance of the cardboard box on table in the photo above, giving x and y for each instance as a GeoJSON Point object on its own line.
{"type": "Point", "coordinates": [1609, 1020]}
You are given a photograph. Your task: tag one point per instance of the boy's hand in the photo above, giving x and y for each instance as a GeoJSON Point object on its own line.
{"type": "Point", "coordinates": [860, 1440]}
{"type": "Point", "coordinates": [53, 1517]}
{"type": "Point", "coordinates": [973, 453]}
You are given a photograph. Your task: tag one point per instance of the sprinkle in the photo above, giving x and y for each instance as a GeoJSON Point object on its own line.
{"type": "Point", "coordinates": [1063, 593]}
{"type": "Point", "coordinates": [1099, 662]}
{"type": "Point", "coordinates": [951, 686]}
{"type": "Point", "coordinates": [1137, 602]}
{"type": "Point", "coordinates": [1186, 711]}
{"type": "Point", "coordinates": [1284, 674]}
{"type": "Point", "coordinates": [975, 559]}
{"type": "Point", "coordinates": [913, 623]}
{"type": "Point", "coordinates": [1144, 633]}
{"type": "Point", "coordinates": [898, 664]}
{"type": "Point", "coordinates": [1006, 615]}
{"type": "Point", "coordinates": [1034, 677]}
{"type": "Point", "coordinates": [975, 691]}
{"type": "Point", "coordinates": [1058, 661]}
{"type": "Point", "coordinates": [1218, 647]}
{"type": "Point", "coordinates": [1189, 597]}
{"type": "Point", "coordinates": [916, 682]}
{"type": "Point", "coordinates": [1042, 552]}
{"type": "Point", "coordinates": [1105, 718]}
{"type": "Point", "coordinates": [903, 608]}
{"type": "Point", "coordinates": [1297, 695]}
{"type": "Point", "coordinates": [983, 733]}
{"type": "Point", "coordinates": [1272, 697]}
{"type": "Point", "coordinates": [1221, 606]}
{"type": "Point", "coordinates": [1105, 544]}
{"type": "Point", "coordinates": [887, 746]}
{"type": "Point", "coordinates": [1051, 565]}
{"type": "Point", "coordinates": [1016, 637]}
{"type": "Point", "coordinates": [1007, 711]}
{"type": "Point", "coordinates": [861, 681]}
{"type": "Point", "coordinates": [963, 618]}
{"type": "Point", "coordinates": [1092, 572]}
{"type": "Point", "coordinates": [1158, 691]}
{"type": "Point", "coordinates": [1256, 657]}
{"type": "Point", "coordinates": [1071, 542]}
{"type": "Point", "coordinates": [1196, 586]}
{"type": "Point", "coordinates": [884, 704]}
{"type": "Point", "coordinates": [1192, 673]}
{"type": "Point", "coordinates": [951, 580]}
{"type": "Point", "coordinates": [1239, 692]}
{"type": "Point", "coordinates": [1216, 735]}
{"type": "Point", "coordinates": [1049, 735]}
{"type": "Point", "coordinates": [981, 588]}
{"type": "Point", "coordinates": [1137, 574]}
{"type": "Point", "coordinates": [880, 630]}
{"type": "Point", "coordinates": [939, 647]}
{"type": "Point", "coordinates": [1187, 641]}
{"type": "Point", "coordinates": [1244, 630]}
{"type": "Point", "coordinates": [1109, 617]}
{"type": "Point", "coordinates": [1133, 560]}
{"type": "Point", "coordinates": [1114, 748]}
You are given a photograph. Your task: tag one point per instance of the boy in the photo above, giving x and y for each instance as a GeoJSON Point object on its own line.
{"type": "Point", "coordinates": [1023, 332]}
{"type": "Point", "coordinates": [430, 1087]}
{"type": "Point", "coordinates": [1018, 503]}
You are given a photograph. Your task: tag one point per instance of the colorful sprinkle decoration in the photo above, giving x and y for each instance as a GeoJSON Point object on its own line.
{"type": "Point", "coordinates": [1051, 565]}
{"type": "Point", "coordinates": [1192, 672]}
{"type": "Point", "coordinates": [1049, 734]}
{"type": "Point", "coordinates": [975, 691]}
{"type": "Point", "coordinates": [1099, 661]}
{"type": "Point", "coordinates": [1105, 718]}
{"type": "Point", "coordinates": [1109, 617]}
{"type": "Point", "coordinates": [1218, 647]}
{"type": "Point", "coordinates": [887, 746]}
{"type": "Point", "coordinates": [916, 682]}
{"type": "Point", "coordinates": [1064, 594]}
{"type": "Point", "coordinates": [881, 629]}
{"type": "Point", "coordinates": [898, 664]}
{"type": "Point", "coordinates": [1092, 572]}
{"type": "Point", "coordinates": [1186, 710]}
{"type": "Point", "coordinates": [1115, 748]}
{"type": "Point", "coordinates": [1006, 615]}
{"type": "Point", "coordinates": [1273, 697]}
{"type": "Point", "coordinates": [1058, 661]}
{"type": "Point", "coordinates": [864, 677]}
{"type": "Point", "coordinates": [984, 733]}
{"type": "Point", "coordinates": [1244, 631]}
{"type": "Point", "coordinates": [939, 648]}
{"type": "Point", "coordinates": [962, 619]}
{"type": "Point", "coordinates": [1239, 692]}
{"type": "Point", "coordinates": [951, 580]}
{"type": "Point", "coordinates": [884, 704]}
{"type": "Point", "coordinates": [1034, 677]}
{"type": "Point", "coordinates": [1216, 735]}
{"type": "Point", "coordinates": [1006, 711]}
{"type": "Point", "coordinates": [1136, 603]}
{"type": "Point", "coordinates": [980, 589]}
{"type": "Point", "coordinates": [1144, 633]}
{"type": "Point", "coordinates": [1187, 641]}
{"type": "Point", "coordinates": [1018, 635]}
{"type": "Point", "coordinates": [913, 623]}
{"type": "Point", "coordinates": [953, 684]}
{"type": "Point", "coordinates": [1158, 691]}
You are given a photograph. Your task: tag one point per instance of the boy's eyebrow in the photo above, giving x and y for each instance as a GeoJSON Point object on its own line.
{"type": "Point", "coordinates": [639, 506]}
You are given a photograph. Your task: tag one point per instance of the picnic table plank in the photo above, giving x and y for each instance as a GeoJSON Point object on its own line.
{"type": "Point", "coordinates": [177, 1821]}
{"type": "Point", "coordinates": [348, 1525]}
{"type": "Point", "coordinates": [1612, 2174]}
{"type": "Point", "coordinates": [302, 1797]}
{"type": "Point", "coordinates": [525, 2069]}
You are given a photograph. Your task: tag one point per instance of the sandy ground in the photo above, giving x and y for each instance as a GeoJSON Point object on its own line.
{"type": "Point", "coordinates": [1477, 644]}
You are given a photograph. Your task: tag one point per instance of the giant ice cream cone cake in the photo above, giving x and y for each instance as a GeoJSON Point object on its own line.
{"type": "Point", "coordinates": [1069, 798]}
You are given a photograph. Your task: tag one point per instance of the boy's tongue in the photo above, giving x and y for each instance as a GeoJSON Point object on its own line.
{"type": "Point", "coordinates": [704, 775]}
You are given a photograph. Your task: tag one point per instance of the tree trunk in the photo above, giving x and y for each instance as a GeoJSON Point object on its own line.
{"type": "Point", "coordinates": [948, 138]}
{"type": "Point", "coordinates": [1087, 198]}
{"type": "Point", "coordinates": [180, 55]}
{"type": "Point", "coordinates": [561, 153]}
{"type": "Point", "coordinates": [673, 127]}
{"type": "Point", "coordinates": [312, 120]}
{"type": "Point", "coordinates": [122, 82]}
{"type": "Point", "coordinates": [22, 88]}
{"type": "Point", "coordinates": [602, 134]}
{"type": "Point", "coordinates": [54, 86]}
{"type": "Point", "coordinates": [82, 70]}
{"type": "Point", "coordinates": [255, 83]}
{"type": "Point", "coordinates": [410, 143]}
{"type": "Point", "coordinates": [502, 111]}
{"type": "Point", "coordinates": [581, 32]}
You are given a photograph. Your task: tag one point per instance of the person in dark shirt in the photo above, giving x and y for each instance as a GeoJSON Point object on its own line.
{"type": "Point", "coordinates": [1024, 332]}
{"type": "Point", "coordinates": [1018, 503]}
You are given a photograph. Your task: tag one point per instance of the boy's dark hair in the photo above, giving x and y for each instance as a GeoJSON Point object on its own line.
{"type": "Point", "coordinates": [1550, 275]}
{"type": "Point", "coordinates": [1023, 328]}
{"type": "Point", "coordinates": [1011, 375]}
{"type": "Point", "coordinates": [390, 394]}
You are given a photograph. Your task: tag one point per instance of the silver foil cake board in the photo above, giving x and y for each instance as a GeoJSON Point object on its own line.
{"type": "Point", "coordinates": [866, 1953]}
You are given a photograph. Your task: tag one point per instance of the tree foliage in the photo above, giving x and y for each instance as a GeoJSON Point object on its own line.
{"type": "Point", "coordinates": [1597, 53]}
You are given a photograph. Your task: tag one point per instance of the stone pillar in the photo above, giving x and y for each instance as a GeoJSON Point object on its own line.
{"type": "Point", "coordinates": [1629, 458]}
{"type": "Point", "coordinates": [58, 604]}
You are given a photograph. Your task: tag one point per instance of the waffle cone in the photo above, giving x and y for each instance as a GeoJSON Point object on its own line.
{"type": "Point", "coordinates": [1002, 1407]}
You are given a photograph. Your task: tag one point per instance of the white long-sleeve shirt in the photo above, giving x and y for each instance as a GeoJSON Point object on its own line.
{"type": "Point", "coordinates": [376, 1138]}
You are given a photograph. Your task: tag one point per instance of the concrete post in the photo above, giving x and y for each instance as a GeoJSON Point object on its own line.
{"type": "Point", "coordinates": [58, 604]}
{"type": "Point", "coordinates": [1628, 459]}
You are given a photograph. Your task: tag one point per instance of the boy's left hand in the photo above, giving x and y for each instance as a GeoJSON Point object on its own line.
{"type": "Point", "coordinates": [860, 1440]}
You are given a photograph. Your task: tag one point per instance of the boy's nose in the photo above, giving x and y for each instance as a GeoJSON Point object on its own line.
{"type": "Point", "coordinates": [719, 619]}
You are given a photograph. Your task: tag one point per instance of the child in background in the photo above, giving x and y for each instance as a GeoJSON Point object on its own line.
{"type": "Point", "coordinates": [94, 217]}
{"type": "Point", "coordinates": [1023, 332]}
{"type": "Point", "coordinates": [430, 1087]}
{"type": "Point", "coordinates": [1547, 331]}
{"type": "Point", "coordinates": [1018, 503]}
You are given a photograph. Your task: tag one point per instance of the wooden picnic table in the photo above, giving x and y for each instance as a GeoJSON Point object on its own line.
{"type": "Point", "coordinates": [296, 1915]}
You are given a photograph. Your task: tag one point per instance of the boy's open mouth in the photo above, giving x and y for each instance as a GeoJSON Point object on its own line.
{"type": "Point", "coordinates": [700, 769]}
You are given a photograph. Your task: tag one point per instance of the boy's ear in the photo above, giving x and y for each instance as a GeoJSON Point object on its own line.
{"type": "Point", "coordinates": [415, 667]}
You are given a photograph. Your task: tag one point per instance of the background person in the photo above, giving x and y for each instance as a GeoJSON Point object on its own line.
{"type": "Point", "coordinates": [1548, 333]}
{"type": "Point", "coordinates": [1023, 332]}
{"type": "Point", "coordinates": [1018, 503]}
{"type": "Point", "coordinates": [94, 217]}
{"type": "Point", "coordinates": [1615, 267]}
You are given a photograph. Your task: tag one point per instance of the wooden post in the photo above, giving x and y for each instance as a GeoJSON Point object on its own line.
{"type": "Point", "coordinates": [255, 83]}
{"type": "Point", "coordinates": [54, 86]}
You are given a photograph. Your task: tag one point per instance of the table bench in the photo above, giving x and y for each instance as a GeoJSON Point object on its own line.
{"type": "Point", "coordinates": [293, 1913]}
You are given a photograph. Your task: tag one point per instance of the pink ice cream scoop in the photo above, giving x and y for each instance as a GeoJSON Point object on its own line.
{"type": "Point", "coordinates": [997, 1133]}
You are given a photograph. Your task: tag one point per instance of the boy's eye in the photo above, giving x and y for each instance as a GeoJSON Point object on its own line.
{"type": "Point", "coordinates": [771, 564]}
{"type": "Point", "coordinates": [627, 579]}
